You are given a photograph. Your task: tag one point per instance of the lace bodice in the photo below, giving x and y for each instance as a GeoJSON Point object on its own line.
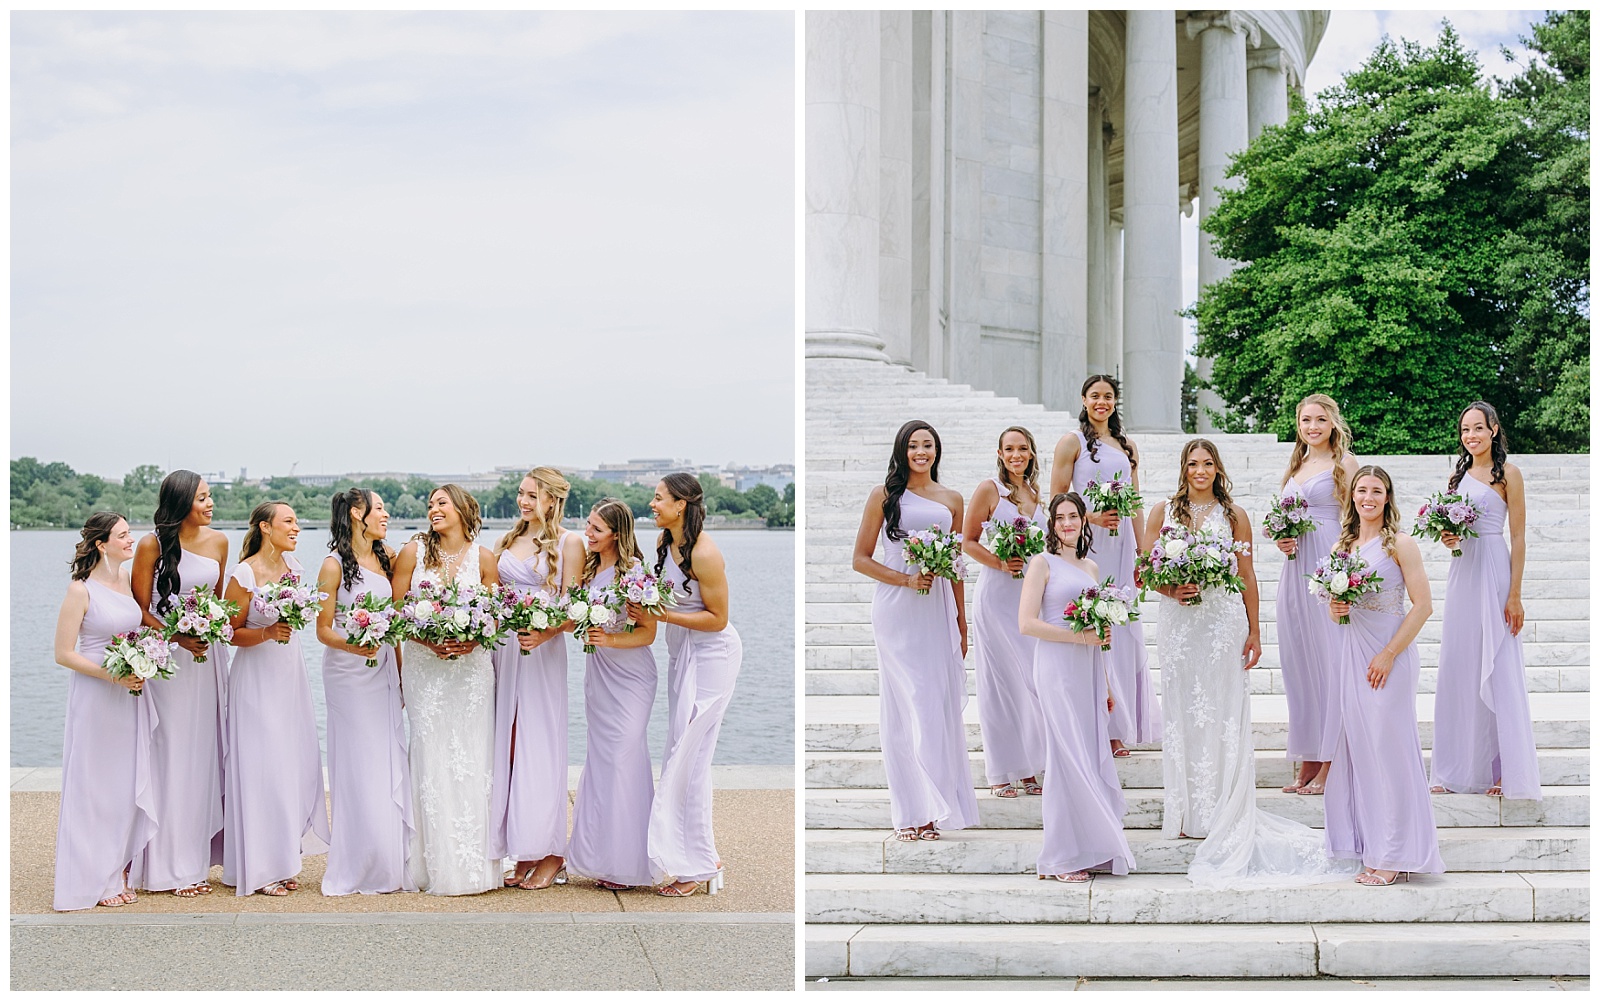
{"type": "Point", "coordinates": [468, 573]}
{"type": "Point", "coordinates": [1390, 598]}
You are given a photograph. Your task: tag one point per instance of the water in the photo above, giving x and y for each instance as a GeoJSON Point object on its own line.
{"type": "Point", "coordinates": [758, 729]}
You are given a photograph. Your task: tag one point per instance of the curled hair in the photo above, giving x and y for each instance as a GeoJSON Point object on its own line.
{"type": "Point", "coordinates": [466, 506]}
{"type": "Point", "coordinates": [894, 484]}
{"type": "Point", "coordinates": [174, 501]}
{"type": "Point", "coordinates": [1085, 534]}
{"type": "Point", "coordinates": [94, 531]}
{"type": "Point", "coordinates": [1338, 442]}
{"type": "Point", "coordinates": [543, 525]}
{"type": "Point", "coordinates": [1221, 487]}
{"type": "Point", "coordinates": [1091, 437]}
{"type": "Point", "coordinates": [1350, 526]}
{"type": "Point", "coordinates": [686, 488]}
{"type": "Point", "coordinates": [1030, 475]}
{"type": "Point", "coordinates": [341, 537]}
{"type": "Point", "coordinates": [619, 518]}
{"type": "Point", "coordinates": [1497, 446]}
{"type": "Point", "coordinates": [265, 511]}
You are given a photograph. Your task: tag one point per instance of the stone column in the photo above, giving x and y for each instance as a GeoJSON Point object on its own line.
{"type": "Point", "coordinates": [841, 185]}
{"type": "Point", "coordinates": [1115, 347]}
{"type": "Point", "coordinates": [964, 178]}
{"type": "Point", "coordinates": [1268, 86]}
{"type": "Point", "coordinates": [1152, 262]}
{"type": "Point", "coordinates": [894, 187]}
{"type": "Point", "coordinates": [1064, 166]}
{"type": "Point", "coordinates": [928, 312]}
{"type": "Point", "coordinates": [1097, 307]}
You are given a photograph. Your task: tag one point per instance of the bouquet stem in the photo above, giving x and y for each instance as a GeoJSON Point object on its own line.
{"type": "Point", "coordinates": [1016, 576]}
{"type": "Point", "coordinates": [1293, 555]}
{"type": "Point", "coordinates": [1112, 532]}
{"type": "Point", "coordinates": [1455, 553]}
{"type": "Point", "coordinates": [200, 658]}
{"type": "Point", "coordinates": [135, 693]}
{"type": "Point", "coordinates": [922, 590]}
{"type": "Point", "coordinates": [526, 652]}
{"type": "Point", "coordinates": [1191, 601]}
{"type": "Point", "coordinates": [588, 648]}
{"type": "Point", "coordinates": [372, 662]}
{"type": "Point", "coordinates": [1344, 620]}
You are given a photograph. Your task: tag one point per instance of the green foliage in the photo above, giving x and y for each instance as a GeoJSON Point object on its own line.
{"type": "Point", "coordinates": [1414, 242]}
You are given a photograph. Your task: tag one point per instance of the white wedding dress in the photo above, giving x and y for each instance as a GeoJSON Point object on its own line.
{"type": "Point", "coordinates": [1208, 756]}
{"type": "Point", "coordinates": [450, 704]}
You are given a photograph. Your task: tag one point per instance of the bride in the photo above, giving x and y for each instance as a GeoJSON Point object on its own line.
{"type": "Point", "coordinates": [1208, 756]}
{"type": "Point", "coordinates": [449, 696]}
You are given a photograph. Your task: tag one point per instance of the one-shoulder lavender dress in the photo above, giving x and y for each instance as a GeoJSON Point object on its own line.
{"type": "Point", "coordinates": [611, 814]}
{"type": "Point", "coordinates": [369, 774]}
{"type": "Point", "coordinates": [1083, 803]}
{"type": "Point", "coordinates": [186, 755]}
{"type": "Point", "coordinates": [923, 688]}
{"type": "Point", "coordinates": [1136, 720]}
{"type": "Point", "coordinates": [1482, 728]}
{"type": "Point", "coordinates": [701, 671]}
{"type": "Point", "coordinates": [1307, 642]}
{"type": "Point", "coordinates": [528, 806]}
{"type": "Point", "coordinates": [1376, 800]}
{"type": "Point", "coordinates": [274, 810]}
{"type": "Point", "coordinates": [1008, 706]}
{"type": "Point", "coordinates": [107, 806]}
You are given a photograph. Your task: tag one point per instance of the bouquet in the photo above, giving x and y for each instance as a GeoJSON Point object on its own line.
{"type": "Point", "coordinates": [1115, 494]}
{"type": "Point", "coordinates": [527, 611]}
{"type": "Point", "coordinates": [1452, 514]}
{"type": "Point", "coordinates": [1205, 557]}
{"type": "Point", "coordinates": [1101, 606]}
{"type": "Point", "coordinates": [295, 602]}
{"type": "Point", "coordinates": [1009, 540]}
{"type": "Point", "coordinates": [450, 613]}
{"type": "Point", "coordinates": [593, 608]}
{"type": "Point", "coordinates": [371, 621]}
{"type": "Point", "coordinates": [937, 552]}
{"type": "Point", "coordinates": [640, 586]}
{"type": "Point", "coordinates": [143, 653]}
{"type": "Point", "coordinates": [198, 612]}
{"type": "Point", "coordinates": [1343, 577]}
{"type": "Point", "coordinates": [1288, 518]}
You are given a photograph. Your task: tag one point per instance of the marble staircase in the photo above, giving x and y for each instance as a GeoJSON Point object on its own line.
{"type": "Point", "coordinates": [1516, 898]}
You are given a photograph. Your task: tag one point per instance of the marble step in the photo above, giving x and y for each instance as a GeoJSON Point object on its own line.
{"type": "Point", "coordinates": [1142, 769]}
{"type": "Point", "coordinates": [1499, 949]}
{"type": "Point", "coordinates": [850, 722]}
{"type": "Point", "coordinates": [1169, 898]}
{"type": "Point", "coordinates": [868, 809]}
{"type": "Point", "coordinates": [1464, 849]}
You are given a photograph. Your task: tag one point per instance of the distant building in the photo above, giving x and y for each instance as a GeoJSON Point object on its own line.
{"type": "Point", "coordinates": [644, 472]}
{"type": "Point", "coordinates": [777, 477]}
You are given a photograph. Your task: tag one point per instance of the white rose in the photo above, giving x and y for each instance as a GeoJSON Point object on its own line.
{"type": "Point", "coordinates": [1340, 582]}
{"type": "Point", "coordinates": [1314, 588]}
{"type": "Point", "coordinates": [652, 595]}
{"type": "Point", "coordinates": [1119, 615]}
{"type": "Point", "coordinates": [600, 615]}
{"type": "Point", "coordinates": [424, 612]}
{"type": "Point", "coordinates": [578, 610]}
{"type": "Point", "coordinates": [462, 617]}
{"type": "Point", "coordinates": [1176, 546]}
{"type": "Point", "coordinates": [216, 613]}
{"type": "Point", "coordinates": [539, 620]}
{"type": "Point", "coordinates": [143, 667]}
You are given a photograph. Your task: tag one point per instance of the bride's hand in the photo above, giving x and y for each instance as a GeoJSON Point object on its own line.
{"type": "Point", "coordinates": [1251, 654]}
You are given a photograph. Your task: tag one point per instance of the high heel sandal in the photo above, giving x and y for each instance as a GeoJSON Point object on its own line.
{"type": "Point", "coordinates": [606, 884]}
{"type": "Point", "coordinates": [1081, 876]}
{"type": "Point", "coordinates": [1312, 788]}
{"type": "Point", "coordinates": [1004, 790]}
{"type": "Point", "coordinates": [671, 890]}
{"type": "Point", "coordinates": [1032, 787]}
{"type": "Point", "coordinates": [714, 884]}
{"type": "Point", "coordinates": [929, 833]}
{"type": "Point", "coordinates": [1371, 878]}
{"type": "Point", "coordinates": [559, 879]}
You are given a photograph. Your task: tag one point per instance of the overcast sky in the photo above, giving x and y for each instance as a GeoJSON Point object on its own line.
{"type": "Point", "coordinates": [420, 242]}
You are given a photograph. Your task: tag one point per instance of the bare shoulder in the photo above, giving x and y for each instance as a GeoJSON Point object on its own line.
{"type": "Point", "coordinates": [948, 496]}
{"type": "Point", "coordinates": [1240, 516]}
{"type": "Point", "coordinates": [986, 492]}
{"type": "Point", "coordinates": [212, 539]}
{"type": "Point", "coordinates": [1513, 474]}
{"type": "Point", "coordinates": [1350, 462]}
{"type": "Point", "coordinates": [1158, 511]}
{"type": "Point", "coordinates": [149, 545]}
{"type": "Point", "coordinates": [705, 547]}
{"type": "Point", "coordinates": [1406, 548]}
{"type": "Point", "coordinates": [876, 495]}
{"type": "Point", "coordinates": [78, 590]}
{"type": "Point", "coordinates": [1133, 449]}
{"type": "Point", "coordinates": [1091, 568]}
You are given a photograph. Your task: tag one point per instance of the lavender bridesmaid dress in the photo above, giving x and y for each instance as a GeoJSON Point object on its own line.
{"type": "Point", "coordinates": [107, 808]}
{"type": "Point", "coordinates": [1083, 804]}
{"type": "Point", "coordinates": [369, 776]}
{"type": "Point", "coordinates": [611, 815]}
{"type": "Point", "coordinates": [923, 686]}
{"type": "Point", "coordinates": [186, 755]}
{"type": "Point", "coordinates": [701, 671]}
{"type": "Point", "coordinates": [274, 810]}
{"type": "Point", "coordinates": [1008, 706]}
{"type": "Point", "coordinates": [528, 806]}
{"type": "Point", "coordinates": [1307, 642]}
{"type": "Point", "coordinates": [1482, 729]}
{"type": "Point", "coordinates": [1137, 717]}
{"type": "Point", "coordinates": [1376, 799]}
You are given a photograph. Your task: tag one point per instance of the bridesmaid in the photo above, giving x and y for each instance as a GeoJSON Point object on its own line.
{"type": "Point", "coordinates": [921, 640]}
{"type": "Point", "coordinates": [369, 778]}
{"type": "Point", "coordinates": [1083, 807]}
{"type": "Point", "coordinates": [274, 810]}
{"type": "Point", "coordinates": [528, 807]}
{"type": "Point", "coordinates": [1377, 804]}
{"type": "Point", "coordinates": [611, 816]}
{"type": "Point", "coordinates": [1319, 470]}
{"type": "Point", "coordinates": [1096, 452]}
{"type": "Point", "coordinates": [704, 655]}
{"type": "Point", "coordinates": [107, 813]}
{"type": "Point", "coordinates": [1008, 706]}
{"type": "Point", "coordinates": [186, 748]}
{"type": "Point", "coordinates": [1482, 731]}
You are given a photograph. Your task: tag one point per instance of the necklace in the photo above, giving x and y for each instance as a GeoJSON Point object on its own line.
{"type": "Point", "coordinates": [1199, 512]}
{"type": "Point", "coordinates": [447, 561]}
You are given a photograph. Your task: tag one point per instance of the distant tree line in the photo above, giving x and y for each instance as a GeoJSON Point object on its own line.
{"type": "Point", "coordinates": [54, 495]}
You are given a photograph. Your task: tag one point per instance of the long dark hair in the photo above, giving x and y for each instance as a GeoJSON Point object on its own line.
{"type": "Point", "coordinates": [1497, 446]}
{"type": "Point", "coordinates": [174, 501]}
{"type": "Point", "coordinates": [94, 531]}
{"type": "Point", "coordinates": [619, 518]}
{"type": "Point", "coordinates": [1221, 487]}
{"type": "Point", "coordinates": [1085, 534]}
{"type": "Point", "coordinates": [894, 484]}
{"type": "Point", "coordinates": [264, 512]}
{"type": "Point", "coordinates": [341, 539]}
{"type": "Point", "coordinates": [466, 506]}
{"type": "Point", "coordinates": [686, 488]}
{"type": "Point", "coordinates": [1113, 423]}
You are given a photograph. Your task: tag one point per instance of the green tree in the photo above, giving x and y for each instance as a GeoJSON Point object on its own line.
{"type": "Point", "coordinates": [762, 498]}
{"type": "Point", "coordinates": [142, 479]}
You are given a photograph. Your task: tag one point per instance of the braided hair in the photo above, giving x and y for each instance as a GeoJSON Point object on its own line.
{"type": "Point", "coordinates": [1091, 437]}
{"type": "Point", "coordinates": [341, 537]}
{"type": "Point", "coordinates": [684, 487]}
{"type": "Point", "coordinates": [174, 501]}
{"type": "Point", "coordinates": [1497, 446]}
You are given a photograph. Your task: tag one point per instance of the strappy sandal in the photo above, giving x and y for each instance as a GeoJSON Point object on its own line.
{"type": "Point", "coordinates": [188, 892]}
{"type": "Point", "coordinates": [1005, 790]}
{"type": "Point", "coordinates": [559, 878]}
{"type": "Point", "coordinates": [291, 884]}
{"type": "Point", "coordinates": [673, 890]}
{"type": "Point", "coordinates": [1493, 790]}
{"type": "Point", "coordinates": [277, 889]}
{"type": "Point", "coordinates": [1033, 788]}
{"type": "Point", "coordinates": [1312, 788]}
{"type": "Point", "coordinates": [906, 834]}
{"type": "Point", "coordinates": [1120, 752]}
{"type": "Point", "coordinates": [116, 901]}
{"type": "Point", "coordinates": [1294, 787]}
{"type": "Point", "coordinates": [929, 833]}
{"type": "Point", "coordinates": [1373, 879]}
{"type": "Point", "coordinates": [1081, 876]}
{"type": "Point", "coordinates": [606, 884]}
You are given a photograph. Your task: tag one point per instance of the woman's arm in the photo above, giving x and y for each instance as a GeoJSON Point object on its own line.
{"type": "Point", "coordinates": [329, 578]}
{"type": "Point", "coordinates": [1251, 653]}
{"type": "Point", "coordinates": [984, 500]}
{"type": "Point", "coordinates": [1410, 559]}
{"type": "Point", "coordinates": [244, 636]}
{"type": "Point", "coordinates": [643, 634]}
{"type": "Point", "coordinates": [142, 579]}
{"type": "Point", "coordinates": [1061, 463]}
{"type": "Point", "coordinates": [867, 542]}
{"type": "Point", "coordinates": [1138, 514]}
{"type": "Point", "coordinates": [713, 585]}
{"type": "Point", "coordinates": [73, 608]}
{"type": "Point", "coordinates": [1028, 621]}
{"type": "Point", "coordinates": [1516, 518]}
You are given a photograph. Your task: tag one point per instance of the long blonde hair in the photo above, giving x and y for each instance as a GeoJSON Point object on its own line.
{"type": "Point", "coordinates": [619, 518]}
{"type": "Point", "coordinates": [544, 525]}
{"type": "Point", "coordinates": [466, 506]}
{"type": "Point", "coordinates": [1030, 475]}
{"type": "Point", "coordinates": [1338, 443]}
{"type": "Point", "coordinates": [1350, 527]}
{"type": "Point", "coordinates": [1221, 487]}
